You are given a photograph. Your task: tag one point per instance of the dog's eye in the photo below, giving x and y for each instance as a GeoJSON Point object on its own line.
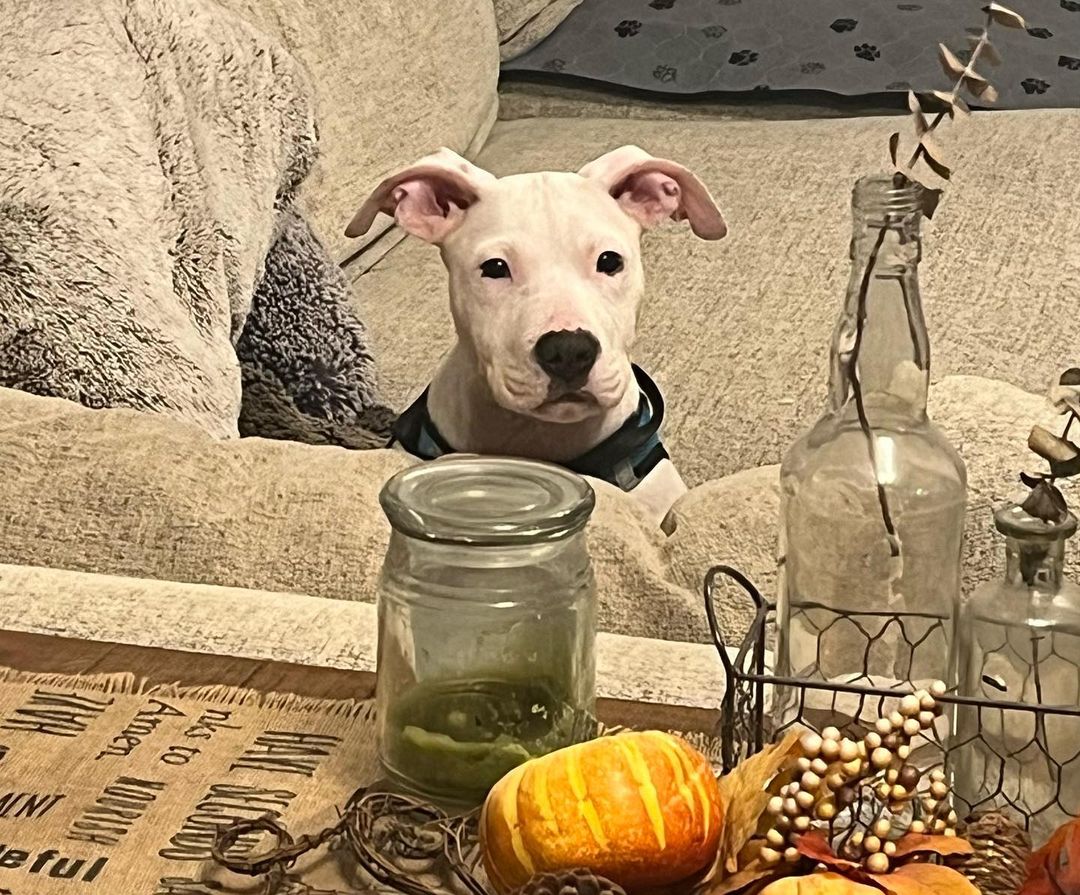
{"type": "Point", "coordinates": [610, 263]}
{"type": "Point", "coordinates": [495, 268]}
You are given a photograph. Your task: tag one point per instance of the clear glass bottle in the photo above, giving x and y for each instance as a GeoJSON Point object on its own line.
{"type": "Point", "coordinates": [873, 496]}
{"type": "Point", "coordinates": [487, 617]}
{"type": "Point", "coordinates": [1020, 642]}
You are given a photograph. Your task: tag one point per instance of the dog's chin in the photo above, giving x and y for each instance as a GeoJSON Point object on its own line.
{"type": "Point", "coordinates": [574, 407]}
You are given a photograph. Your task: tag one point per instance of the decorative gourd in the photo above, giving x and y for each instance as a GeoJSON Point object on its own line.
{"type": "Point", "coordinates": [1055, 868]}
{"type": "Point", "coordinates": [642, 809]}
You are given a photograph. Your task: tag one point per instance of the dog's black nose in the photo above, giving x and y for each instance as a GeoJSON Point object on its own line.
{"type": "Point", "coordinates": [567, 357]}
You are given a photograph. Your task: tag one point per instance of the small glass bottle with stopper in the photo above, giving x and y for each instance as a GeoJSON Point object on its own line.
{"type": "Point", "coordinates": [1020, 643]}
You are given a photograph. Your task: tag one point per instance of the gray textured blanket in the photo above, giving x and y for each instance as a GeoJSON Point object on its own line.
{"type": "Point", "coordinates": [150, 151]}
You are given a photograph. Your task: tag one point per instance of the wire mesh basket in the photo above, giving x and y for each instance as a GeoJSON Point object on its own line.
{"type": "Point", "coordinates": [1019, 757]}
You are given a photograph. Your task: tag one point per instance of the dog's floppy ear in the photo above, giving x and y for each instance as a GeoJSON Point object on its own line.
{"type": "Point", "coordinates": [652, 189]}
{"type": "Point", "coordinates": [427, 199]}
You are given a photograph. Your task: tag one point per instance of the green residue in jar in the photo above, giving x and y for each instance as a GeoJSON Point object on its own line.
{"type": "Point", "coordinates": [455, 739]}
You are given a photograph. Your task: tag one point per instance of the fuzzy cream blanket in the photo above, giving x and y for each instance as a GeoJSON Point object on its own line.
{"type": "Point", "coordinates": [150, 151]}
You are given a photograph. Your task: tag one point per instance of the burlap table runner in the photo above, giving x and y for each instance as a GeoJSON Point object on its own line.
{"type": "Point", "coordinates": [111, 787]}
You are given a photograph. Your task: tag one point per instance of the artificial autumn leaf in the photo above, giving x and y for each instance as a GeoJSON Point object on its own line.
{"type": "Point", "coordinates": [920, 843]}
{"type": "Point", "coordinates": [921, 878]}
{"type": "Point", "coordinates": [989, 93]}
{"type": "Point", "coordinates": [894, 145]}
{"type": "Point", "coordinates": [1004, 16]}
{"type": "Point", "coordinates": [819, 883]}
{"type": "Point", "coordinates": [816, 847]}
{"type": "Point", "coordinates": [954, 68]}
{"type": "Point", "coordinates": [752, 873]}
{"type": "Point", "coordinates": [744, 796]}
{"type": "Point", "coordinates": [1055, 868]}
{"type": "Point", "coordinates": [917, 114]}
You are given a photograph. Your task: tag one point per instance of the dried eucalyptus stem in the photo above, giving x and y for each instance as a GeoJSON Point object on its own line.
{"type": "Point", "coordinates": [951, 103]}
{"type": "Point", "coordinates": [946, 104]}
{"type": "Point", "coordinates": [1046, 501]}
{"type": "Point", "coordinates": [857, 393]}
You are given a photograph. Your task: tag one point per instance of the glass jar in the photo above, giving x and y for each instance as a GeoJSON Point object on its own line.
{"type": "Point", "coordinates": [1020, 642]}
{"type": "Point", "coordinates": [487, 617]}
{"type": "Point", "coordinates": [873, 496]}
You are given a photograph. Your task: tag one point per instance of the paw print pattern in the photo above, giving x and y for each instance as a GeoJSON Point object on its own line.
{"type": "Point", "coordinates": [665, 74]}
{"type": "Point", "coordinates": [1034, 85]}
{"type": "Point", "coordinates": [842, 25]}
{"type": "Point", "coordinates": [743, 57]}
{"type": "Point", "coordinates": [811, 68]}
{"type": "Point", "coordinates": [1070, 5]}
{"type": "Point", "coordinates": [1069, 62]}
{"type": "Point", "coordinates": [1041, 33]}
{"type": "Point", "coordinates": [714, 31]}
{"type": "Point", "coordinates": [628, 28]}
{"type": "Point", "coordinates": [868, 52]}
{"type": "Point", "coordinates": [554, 65]}
{"type": "Point", "coordinates": [661, 4]}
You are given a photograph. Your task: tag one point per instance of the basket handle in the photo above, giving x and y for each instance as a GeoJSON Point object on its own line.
{"type": "Point", "coordinates": [748, 587]}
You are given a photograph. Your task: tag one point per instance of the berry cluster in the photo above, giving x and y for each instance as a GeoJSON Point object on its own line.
{"type": "Point", "coordinates": [864, 790]}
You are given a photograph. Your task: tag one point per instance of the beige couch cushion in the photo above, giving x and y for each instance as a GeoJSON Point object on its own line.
{"type": "Point", "coordinates": [393, 80]}
{"type": "Point", "coordinates": [120, 493]}
{"type": "Point", "coordinates": [737, 332]}
{"type": "Point", "coordinates": [524, 23]}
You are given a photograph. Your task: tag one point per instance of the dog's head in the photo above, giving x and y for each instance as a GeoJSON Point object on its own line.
{"type": "Point", "coordinates": [545, 269]}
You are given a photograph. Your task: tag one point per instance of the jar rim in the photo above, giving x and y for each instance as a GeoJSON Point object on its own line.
{"type": "Point", "coordinates": [487, 501]}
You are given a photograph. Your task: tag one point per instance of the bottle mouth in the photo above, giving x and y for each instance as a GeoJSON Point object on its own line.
{"type": "Point", "coordinates": [1015, 522]}
{"type": "Point", "coordinates": [880, 194]}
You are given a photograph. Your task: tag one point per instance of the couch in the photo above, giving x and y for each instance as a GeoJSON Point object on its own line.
{"type": "Point", "coordinates": [735, 332]}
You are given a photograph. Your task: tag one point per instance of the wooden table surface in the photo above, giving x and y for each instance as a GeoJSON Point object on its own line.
{"type": "Point", "coordinates": [39, 653]}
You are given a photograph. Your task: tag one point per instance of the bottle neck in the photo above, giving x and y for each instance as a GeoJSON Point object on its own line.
{"type": "Point", "coordinates": [1035, 564]}
{"type": "Point", "coordinates": [880, 348]}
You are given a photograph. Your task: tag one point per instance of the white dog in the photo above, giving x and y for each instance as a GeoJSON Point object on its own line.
{"type": "Point", "coordinates": [545, 285]}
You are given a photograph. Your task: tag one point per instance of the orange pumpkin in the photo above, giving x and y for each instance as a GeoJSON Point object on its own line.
{"type": "Point", "coordinates": [642, 809]}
